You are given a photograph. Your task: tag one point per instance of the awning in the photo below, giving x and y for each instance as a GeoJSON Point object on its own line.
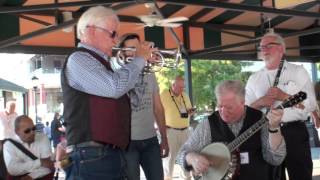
{"type": "Point", "coordinates": [9, 86]}
{"type": "Point", "coordinates": [217, 29]}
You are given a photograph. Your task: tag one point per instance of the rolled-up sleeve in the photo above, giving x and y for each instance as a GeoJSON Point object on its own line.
{"type": "Point", "coordinates": [200, 138]}
{"type": "Point", "coordinates": [274, 157]}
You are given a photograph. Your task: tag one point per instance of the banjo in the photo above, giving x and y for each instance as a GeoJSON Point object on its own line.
{"type": "Point", "coordinates": [226, 157]}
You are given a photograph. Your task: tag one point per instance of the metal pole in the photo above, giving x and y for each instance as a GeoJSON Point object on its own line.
{"type": "Point", "coordinates": [314, 72]}
{"type": "Point", "coordinates": [35, 103]}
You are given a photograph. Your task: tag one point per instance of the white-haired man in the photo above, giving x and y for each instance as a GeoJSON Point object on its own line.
{"type": "Point", "coordinates": [263, 92]}
{"type": "Point", "coordinates": [96, 106]}
{"type": "Point", "coordinates": [231, 119]}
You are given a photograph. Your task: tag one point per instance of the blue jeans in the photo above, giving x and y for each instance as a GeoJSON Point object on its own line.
{"type": "Point", "coordinates": [147, 154]}
{"type": "Point", "coordinates": [96, 163]}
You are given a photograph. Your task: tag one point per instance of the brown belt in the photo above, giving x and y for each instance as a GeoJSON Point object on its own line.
{"type": "Point", "coordinates": [179, 129]}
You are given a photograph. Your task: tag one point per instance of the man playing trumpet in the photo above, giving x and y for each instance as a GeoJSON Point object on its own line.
{"type": "Point", "coordinates": [224, 125]}
{"type": "Point", "coordinates": [96, 106]}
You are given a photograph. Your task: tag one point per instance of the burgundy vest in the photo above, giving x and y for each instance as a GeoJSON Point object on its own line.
{"type": "Point", "coordinates": [94, 118]}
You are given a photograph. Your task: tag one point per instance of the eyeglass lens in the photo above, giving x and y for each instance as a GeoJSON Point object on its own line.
{"type": "Point", "coordinates": [27, 131]}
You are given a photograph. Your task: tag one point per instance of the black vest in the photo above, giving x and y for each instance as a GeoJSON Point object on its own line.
{"type": "Point", "coordinates": [257, 168]}
{"type": "Point", "coordinates": [94, 118]}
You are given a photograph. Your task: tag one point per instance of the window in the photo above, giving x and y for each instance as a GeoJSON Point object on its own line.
{"type": "Point", "coordinates": [37, 64]}
{"type": "Point", "coordinates": [57, 64]}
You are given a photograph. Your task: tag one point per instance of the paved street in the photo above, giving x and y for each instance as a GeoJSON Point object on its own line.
{"type": "Point", "coordinates": [316, 163]}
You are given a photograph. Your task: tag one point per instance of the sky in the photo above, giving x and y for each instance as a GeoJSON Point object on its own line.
{"type": "Point", "coordinates": [13, 68]}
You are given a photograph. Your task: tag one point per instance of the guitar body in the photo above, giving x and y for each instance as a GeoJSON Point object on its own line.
{"type": "Point", "coordinates": [217, 152]}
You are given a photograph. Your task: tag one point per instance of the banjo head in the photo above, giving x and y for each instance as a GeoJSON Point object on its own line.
{"type": "Point", "coordinates": [217, 152]}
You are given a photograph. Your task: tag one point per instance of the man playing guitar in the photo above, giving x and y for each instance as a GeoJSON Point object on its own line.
{"type": "Point", "coordinates": [224, 125]}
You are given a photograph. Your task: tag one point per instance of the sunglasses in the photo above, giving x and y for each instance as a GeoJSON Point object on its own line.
{"type": "Point", "coordinates": [268, 46]}
{"type": "Point", "coordinates": [113, 34]}
{"type": "Point", "coordinates": [28, 130]}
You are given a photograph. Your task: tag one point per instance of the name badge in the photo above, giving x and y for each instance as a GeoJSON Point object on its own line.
{"type": "Point", "coordinates": [244, 158]}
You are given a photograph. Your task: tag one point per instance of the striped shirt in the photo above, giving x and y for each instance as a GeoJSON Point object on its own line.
{"type": "Point", "coordinates": [88, 75]}
{"type": "Point", "coordinates": [201, 137]}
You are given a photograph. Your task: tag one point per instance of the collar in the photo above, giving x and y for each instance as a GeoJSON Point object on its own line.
{"type": "Point", "coordinates": [99, 52]}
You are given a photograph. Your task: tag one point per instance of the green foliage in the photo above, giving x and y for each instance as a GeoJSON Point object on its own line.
{"type": "Point", "coordinates": [206, 74]}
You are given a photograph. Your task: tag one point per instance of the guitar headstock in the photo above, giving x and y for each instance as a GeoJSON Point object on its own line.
{"type": "Point", "coordinates": [293, 100]}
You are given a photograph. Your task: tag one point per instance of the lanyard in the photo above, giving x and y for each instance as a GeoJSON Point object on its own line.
{"type": "Point", "coordinates": [173, 99]}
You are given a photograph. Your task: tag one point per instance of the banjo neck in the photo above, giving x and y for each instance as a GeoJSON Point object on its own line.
{"type": "Point", "coordinates": [291, 101]}
{"type": "Point", "coordinates": [247, 134]}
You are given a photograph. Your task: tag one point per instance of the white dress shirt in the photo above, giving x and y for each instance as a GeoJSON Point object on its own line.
{"type": "Point", "coordinates": [7, 125]}
{"type": "Point", "coordinates": [293, 78]}
{"type": "Point", "coordinates": [18, 163]}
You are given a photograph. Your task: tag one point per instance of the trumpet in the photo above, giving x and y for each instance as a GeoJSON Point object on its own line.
{"type": "Point", "coordinates": [162, 58]}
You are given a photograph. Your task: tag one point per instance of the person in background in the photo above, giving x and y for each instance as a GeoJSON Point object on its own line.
{"type": "Point", "coordinates": [144, 148]}
{"type": "Point", "coordinates": [7, 117]}
{"type": "Point", "coordinates": [18, 162]}
{"type": "Point", "coordinates": [231, 119]}
{"type": "Point", "coordinates": [315, 115]}
{"type": "Point", "coordinates": [262, 94]}
{"type": "Point", "coordinates": [47, 130]}
{"type": "Point", "coordinates": [96, 105]}
{"type": "Point", "coordinates": [56, 130]}
{"type": "Point", "coordinates": [178, 110]}
{"type": "Point", "coordinates": [61, 158]}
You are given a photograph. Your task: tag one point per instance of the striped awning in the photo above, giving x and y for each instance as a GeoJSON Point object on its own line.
{"type": "Point", "coordinates": [220, 29]}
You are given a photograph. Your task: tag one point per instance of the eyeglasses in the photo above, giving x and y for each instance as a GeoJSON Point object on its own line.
{"type": "Point", "coordinates": [28, 130]}
{"type": "Point", "coordinates": [113, 34]}
{"type": "Point", "coordinates": [268, 46]}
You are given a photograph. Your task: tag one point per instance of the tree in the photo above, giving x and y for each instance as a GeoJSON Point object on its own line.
{"type": "Point", "coordinates": [206, 74]}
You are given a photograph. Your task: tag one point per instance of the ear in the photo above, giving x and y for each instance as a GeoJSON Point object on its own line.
{"type": "Point", "coordinates": [241, 101]}
{"type": "Point", "coordinates": [16, 131]}
{"type": "Point", "coordinates": [282, 49]}
{"type": "Point", "coordinates": [89, 31]}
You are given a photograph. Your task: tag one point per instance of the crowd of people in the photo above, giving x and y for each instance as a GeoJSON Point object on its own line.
{"type": "Point", "coordinates": [116, 120]}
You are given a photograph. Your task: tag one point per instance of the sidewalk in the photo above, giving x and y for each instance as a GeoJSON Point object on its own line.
{"type": "Point", "coordinates": [316, 163]}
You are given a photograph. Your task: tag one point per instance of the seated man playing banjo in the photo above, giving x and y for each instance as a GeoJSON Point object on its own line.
{"type": "Point", "coordinates": [251, 153]}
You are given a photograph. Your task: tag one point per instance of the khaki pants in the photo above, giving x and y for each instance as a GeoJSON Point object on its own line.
{"type": "Point", "coordinates": [176, 138]}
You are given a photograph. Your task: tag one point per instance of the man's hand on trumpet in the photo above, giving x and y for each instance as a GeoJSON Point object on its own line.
{"type": "Point", "coordinates": [145, 51]}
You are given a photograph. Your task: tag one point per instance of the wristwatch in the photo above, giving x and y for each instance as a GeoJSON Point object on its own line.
{"type": "Point", "coordinates": [275, 130]}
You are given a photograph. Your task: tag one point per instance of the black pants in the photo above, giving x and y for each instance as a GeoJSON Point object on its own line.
{"type": "Point", "coordinates": [298, 161]}
{"type": "Point", "coordinates": [3, 169]}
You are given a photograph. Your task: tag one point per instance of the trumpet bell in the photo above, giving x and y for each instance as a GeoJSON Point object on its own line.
{"type": "Point", "coordinates": [160, 58]}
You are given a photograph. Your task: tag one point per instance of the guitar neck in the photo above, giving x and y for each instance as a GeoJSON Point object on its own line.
{"type": "Point", "coordinates": [247, 134]}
